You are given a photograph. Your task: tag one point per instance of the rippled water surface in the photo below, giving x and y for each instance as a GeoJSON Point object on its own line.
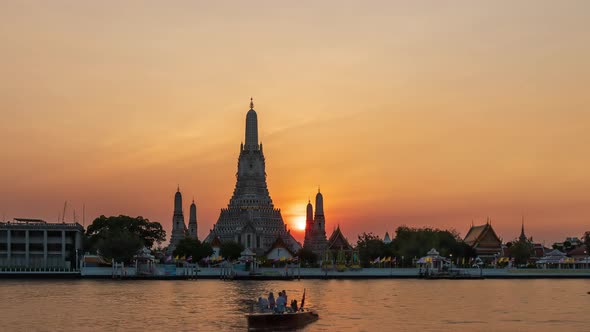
{"type": "Point", "coordinates": [343, 305]}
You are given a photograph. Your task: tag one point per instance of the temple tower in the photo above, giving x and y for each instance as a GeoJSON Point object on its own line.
{"type": "Point", "coordinates": [309, 219]}
{"type": "Point", "coordinates": [250, 217]}
{"type": "Point", "coordinates": [308, 226]}
{"type": "Point", "coordinates": [522, 236]}
{"type": "Point", "coordinates": [192, 222]}
{"type": "Point", "coordinates": [251, 128]}
{"type": "Point", "coordinates": [319, 219]}
{"type": "Point", "coordinates": [315, 229]}
{"type": "Point", "coordinates": [178, 226]}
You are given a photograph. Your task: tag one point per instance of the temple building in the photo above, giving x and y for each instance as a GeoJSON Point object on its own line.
{"type": "Point", "coordinates": [315, 227]}
{"type": "Point", "coordinates": [251, 217]}
{"type": "Point", "coordinates": [337, 241]}
{"type": "Point", "coordinates": [279, 250]}
{"type": "Point", "coordinates": [192, 222]}
{"type": "Point", "coordinates": [339, 253]}
{"type": "Point", "coordinates": [484, 240]}
{"type": "Point", "coordinates": [179, 229]}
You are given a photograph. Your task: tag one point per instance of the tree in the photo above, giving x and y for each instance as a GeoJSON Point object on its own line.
{"type": "Point", "coordinates": [521, 251]}
{"type": "Point", "coordinates": [231, 250]}
{"type": "Point", "coordinates": [194, 248]}
{"type": "Point", "coordinates": [587, 241]}
{"type": "Point", "coordinates": [104, 227]}
{"type": "Point", "coordinates": [307, 256]}
{"type": "Point", "coordinates": [120, 245]}
{"type": "Point", "coordinates": [416, 242]}
{"type": "Point", "coordinates": [370, 246]}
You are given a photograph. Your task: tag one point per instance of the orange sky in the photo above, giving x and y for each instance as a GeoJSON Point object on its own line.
{"type": "Point", "coordinates": [431, 113]}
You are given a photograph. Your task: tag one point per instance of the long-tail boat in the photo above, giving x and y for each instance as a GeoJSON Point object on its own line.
{"type": "Point", "coordinates": [282, 321]}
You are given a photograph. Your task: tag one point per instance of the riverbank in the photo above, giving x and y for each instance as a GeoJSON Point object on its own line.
{"type": "Point", "coordinates": [162, 273]}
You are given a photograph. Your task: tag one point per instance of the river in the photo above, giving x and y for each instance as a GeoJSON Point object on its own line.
{"type": "Point", "coordinates": [343, 305]}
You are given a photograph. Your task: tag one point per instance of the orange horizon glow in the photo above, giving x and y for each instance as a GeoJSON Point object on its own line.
{"type": "Point", "coordinates": [418, 114]}
{"type": "Point", "coordinates": [299, 223]}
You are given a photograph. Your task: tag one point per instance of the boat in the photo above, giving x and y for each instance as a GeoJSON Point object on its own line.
{"type": "Point", "coordinates": [270, 321]}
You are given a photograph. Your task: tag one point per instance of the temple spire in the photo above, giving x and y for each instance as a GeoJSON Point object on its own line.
{"type": "Point", "coordinates": [251, 128]}
{"type": "Point", "coordinates": [309, 217]}
{"type": "Point", "coordinates": [319, 204]}
{"type": "Point", "coordinates": [178, 201]}
{"type": "Point", "coordinates": [192, 221]}
{"type": "Point", "coordinates": [522, 236]}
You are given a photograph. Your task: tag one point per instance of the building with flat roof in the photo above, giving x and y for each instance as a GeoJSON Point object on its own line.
{"type": "Point", "coordinates": [37, 244]}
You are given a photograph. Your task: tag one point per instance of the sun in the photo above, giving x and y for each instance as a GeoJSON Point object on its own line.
{"type": "Point", "coordinates": [300, 223]}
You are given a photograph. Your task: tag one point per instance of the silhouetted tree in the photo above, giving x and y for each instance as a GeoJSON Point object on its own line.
{"type": "Point", "coordinates": [416, 242]}
{"type": "Point", "coordinates": [370, 246]}
{"type": "Point", "coordinates": [194, 248]}
{"type": "Point", "coordinates": [587, 241]}
{"type": "Point", "coordinates": [120, 245]}
{"type": "Point", "coordinates": [231, 250]}
{"type": "Point", "coordinates": [307, 256]}
{"type": "Point", "coordinates": [147, 231]}
{"type": "Point", "coordinates": [521, 251]}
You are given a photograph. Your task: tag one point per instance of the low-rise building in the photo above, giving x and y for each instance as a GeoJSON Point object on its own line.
{"type": "Point", "coordinates": [37, 244]}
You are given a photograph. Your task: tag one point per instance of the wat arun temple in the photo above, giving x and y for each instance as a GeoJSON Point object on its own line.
{"type": "Point", "coordinates": [251, 217]}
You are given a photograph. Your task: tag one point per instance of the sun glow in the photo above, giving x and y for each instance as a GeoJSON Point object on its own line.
{"type": "Point", "coordinates": [300, 223]}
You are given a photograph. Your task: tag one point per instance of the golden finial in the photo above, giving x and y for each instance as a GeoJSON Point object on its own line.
{"type": "Point", "coordinates": [251, 103]}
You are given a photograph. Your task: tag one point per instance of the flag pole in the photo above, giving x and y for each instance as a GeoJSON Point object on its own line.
{"type": "Point", "coordinates": [302, 301]}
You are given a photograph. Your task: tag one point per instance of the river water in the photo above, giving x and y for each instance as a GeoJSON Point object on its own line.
{"type": "Point", "coordinates": [343, 305]}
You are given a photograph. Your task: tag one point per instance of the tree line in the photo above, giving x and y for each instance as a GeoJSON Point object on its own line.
{"type": "Point", "coordinates": [412, 243]}
{"type": "Point", "coordinates": [121, 237]}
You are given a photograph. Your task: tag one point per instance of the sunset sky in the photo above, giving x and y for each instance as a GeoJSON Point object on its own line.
{"type": "Point", "coordinates": [430, 113]}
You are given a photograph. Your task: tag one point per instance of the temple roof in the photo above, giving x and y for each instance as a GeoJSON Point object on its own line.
{"type": "Point", "coordinates": [386, 239]}
{"type": "Point", "coordinates": [477, 233]}
{"type": "Point", "coordinates": [280, 243]}
{"type": "Point", "coordinates": [338, 241]}
{"type": "Point", "coordinates": [216, 242]}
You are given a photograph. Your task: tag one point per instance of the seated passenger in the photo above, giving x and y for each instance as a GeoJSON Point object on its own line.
{"type": "Point", "coordinates": [271, 301]}
{"type": "Point", "coordinates": [262, 303]}
{"type": "Point", "coordinates": [281, 303]}
{"type": "Point", "coordinates": [294, 305]}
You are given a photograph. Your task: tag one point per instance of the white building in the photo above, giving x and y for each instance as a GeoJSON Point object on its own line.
{"type": "Point", "coordinates": [37, 244]}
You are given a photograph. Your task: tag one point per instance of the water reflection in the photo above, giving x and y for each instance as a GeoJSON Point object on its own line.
{"type": "Point", "coordinates": [343, 305]}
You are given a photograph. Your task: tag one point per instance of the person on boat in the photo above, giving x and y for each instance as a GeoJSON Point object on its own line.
{"type": "Point", "coordinates": [262, 303]}
{"type": "Point", "coordinates": [285, 296]}
{"type": "Point", "coordinates": [281, 303]}
{"type": "Point", "coordinates": [271, 301]}
{"type": "Point", "coordinates": [294, 305]}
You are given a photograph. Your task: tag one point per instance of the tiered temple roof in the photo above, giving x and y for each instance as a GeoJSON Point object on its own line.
{"type": "Point", "coordinates": [484, 240]}
{"type": "Point", "coordinates": [337, 241]}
